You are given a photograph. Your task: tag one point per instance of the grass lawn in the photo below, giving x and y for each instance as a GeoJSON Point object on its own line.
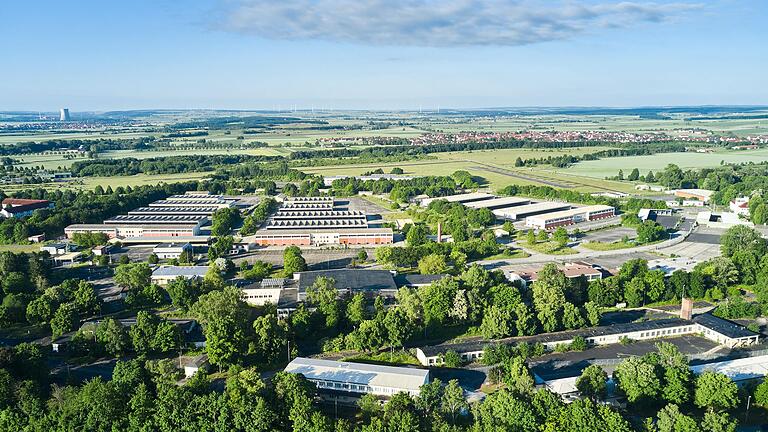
{"type": "Point", "coordinates": [600, 246]}
{"type": "Point", "coordinates": [34, 247]}
{"type": "Point", "coordinates": [509, 254]}
{"type": "Point", "coordinates": [551, 248]}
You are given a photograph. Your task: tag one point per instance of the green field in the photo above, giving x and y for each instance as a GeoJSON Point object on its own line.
{"type": "Point", "coordinates": [485, 164]}
{"type": "Point", "coordinates": [610, 166]}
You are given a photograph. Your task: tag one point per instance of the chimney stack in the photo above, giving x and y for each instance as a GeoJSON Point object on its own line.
{"type": "Point", "coordinates": [686, 309]}
{"type": "Point", "coordinates": [439, 232]}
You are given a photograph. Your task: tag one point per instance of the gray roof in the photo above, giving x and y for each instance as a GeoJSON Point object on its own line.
{"type": "Point", "coordinates": [354, 279]}
{"type": "Point", "coordinates": [173, 245]}
{"type": "Point", "coordinates": [478, 344]}
{"type": "Point", "coordinates": [722, 326]}
{"type": "Point", "coordinates": [359, 373]}
{"type": "Point", "coordinates": [189, 271]}
{"type": "Point", "coordinates": [417, 279]}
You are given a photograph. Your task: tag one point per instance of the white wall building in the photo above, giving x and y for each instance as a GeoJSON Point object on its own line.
{"type": "Point", "coordinates": [360, 378]}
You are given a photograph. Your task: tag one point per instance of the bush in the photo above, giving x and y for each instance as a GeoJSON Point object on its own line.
{"type": "Point", "coordinates": [451, 359]}
{"type": "Point", "coordinates": [578, 344]}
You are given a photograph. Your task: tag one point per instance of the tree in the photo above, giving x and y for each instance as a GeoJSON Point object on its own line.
{"type": "Point", "coordinates": [133, 276]}
{"type": "Point", "coordinates": [761, 394]}
{"type": "Point", "coordinates": [85, 299]}
{"type": "Point", "coordinates": [549, 295]}
{"type": "Point", "coordinates": [530, 238]}
{"type": "Point", "coordinates": [592, 382]}
{"type": "Point", "coordinates": [417, 235]}
{"type": "Point", "coordinates": [572, 318]}
{"type": "Point", "coordinates": [453, 401]}
{"type": "Point", "coordinates": [670, 419]}
{"type": "Point", "coordinates": [224, 220]}
{"type": "Point", "coordinates": [398, 328]}
{"type": "Point", "coordinates": [452, 359]}
{"type": "Point", "coordinates": [497, 323]}
{"type": "Point", "coordinates": [593, 313]}
{"type": "Point", "coordinates": [293, 261]}
{"type": "Point", "coordinates": [649, 231]}
{"type": "Point", "coordinates": [433, 264]}
{"type": "Point", "coordinates": [517, 377]}
{"type": "Point", "coordinates": [742, 238]}
{"type": "Point", "coordinates": [183, 292]}
{"type": "Point", "coordinates": [526, 322]}
{"type": "Point", "coordinates": [356, 310]}
{"type": "Point", "coordinates": [437, 300]}
{"type": "Point", "coordinates": [224, 317]}
{"type": "Point", "coordinates": [153, 259]}
{"type": "Point", "coordinates": [323, 294]}
{"type": "Point", "coordinates": [113, 336]}
{"type": "Point", "coordinates": [718, 422]}
{"type": "Point", "coordinates": [40, 310]}
{"type": "Point", "coordinates": [64, 320]}
{"type": "Point", "coordinates": [637, 379]}
{"type": "Point", "coordinates": [634, 292]}
{"type": "Point", "coordinates": [560, 236]}
{"type": "Point", "coordinates": [715, 391]}
{"type": "Point", "coordinates": [271, 338]}
{"type": "Point", "coordinates": [634, 175]}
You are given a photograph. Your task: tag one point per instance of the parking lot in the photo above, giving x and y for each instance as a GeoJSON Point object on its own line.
{"type": "Point", "coordinates": [609, 235]}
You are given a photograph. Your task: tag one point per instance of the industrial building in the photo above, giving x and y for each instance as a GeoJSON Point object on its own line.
{"type": "Point", "coordinates": [171, 250]}
{"type": "Point", "coordinates": [460, 198]}
{"type": "Point", "coordinates": [498, 203]}
{"type": "Point", "coordinates": [549, 221]}
{"type": "Point", "coordinates": [523, 211]}
{"type": "Point", "coordinates": [164, 274]}
{"type": "Point", "coordinates": [275, 291]}
{"type": "Point", "coordinates": [173, 211]}
{"type": "Point", "coordinates": [709, 326]}
{"type": "Point", "coordinates": [194, 201]}
{"type": "Point", "coordinates": [304, 221]}
{"type": "Point", "coordinates": [18, 207]}
{"type": "Point", "coordinates": [702, 195]}
{"type": "Point", "coordinates": [570, 270]}
{"type": "Point", "coordinates": [359, 378]}
{"type": "Point", "coordinates": [373, 282]}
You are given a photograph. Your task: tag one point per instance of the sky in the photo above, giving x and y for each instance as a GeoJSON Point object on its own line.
{"type": "Point", "coordinates": [96, 55]}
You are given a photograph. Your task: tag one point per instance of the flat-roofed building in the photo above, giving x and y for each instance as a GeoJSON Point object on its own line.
{"type": "Point", "coordinates": [740, 370]}
{"type": "Point", "coordinates": [275, 291]}
{"type": "Point", "coordinates": [702, 195]}
{"type": "Point", "coordinates": [359, 378]}
{"type": "Point", "coordinates": [171, 250]}
{"type": "Point", "coordinates": [498, 203]}
{"type": "Point", "coordinates": [709, 326]}
{"type": "Point", "coordinates": [164, 274]}
{"type": "Point", "coordinates": [19, 207]}
{"type": "Point", "coordinates": [549, 221]}
{"type": "Point", "coordinates": [459, 198]}
{"type": "Point", "coordinates": [193, 202]}
{"type": "Point", "coordinates": [523, 211]}
{"type": "Point", "coordinates": [310, 236]}
{"type": "Point", "coordinates": [173, 211]}
{"type": "Point", "coordinates": [571, 270]}
{"type": "Point", "coordinates": [143, 226]}
{"type": "Point", "coordinates": [372, 282]}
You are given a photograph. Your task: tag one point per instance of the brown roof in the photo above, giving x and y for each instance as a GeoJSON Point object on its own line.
{"type": "Point", "coordinates": [22, 201]}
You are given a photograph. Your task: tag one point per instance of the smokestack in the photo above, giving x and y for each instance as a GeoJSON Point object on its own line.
{"type": "Point", "coordinates": [439, 232]}
{"type": "Point", "coordinates": [686, 309]}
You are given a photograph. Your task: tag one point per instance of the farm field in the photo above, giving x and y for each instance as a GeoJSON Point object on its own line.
{"type": "Point", "coordinates": [610, 166]}
{"type": "Point", "coordinates": [88, 183]}
{"type": "Point", "coordinates": [496, 166]}
{"type": "Point", "coordinates": [52, 161]}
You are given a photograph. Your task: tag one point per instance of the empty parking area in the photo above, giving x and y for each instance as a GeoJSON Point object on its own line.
{"type": "Point", "coordinates": [609, 235]}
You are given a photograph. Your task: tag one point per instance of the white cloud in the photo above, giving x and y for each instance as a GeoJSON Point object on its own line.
{"type": "Point", "coordinates": [438, 23]}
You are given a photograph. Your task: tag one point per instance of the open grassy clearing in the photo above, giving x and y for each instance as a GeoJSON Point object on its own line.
{"type": "Point", "coordinates": [17, 248]}
{"type": "Point", "coordinates": [689, 160]}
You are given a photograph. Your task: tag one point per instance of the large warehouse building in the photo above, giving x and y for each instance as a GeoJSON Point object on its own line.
{"type": "Point", "coordinates": [460, 198]}
{"type": "Point", "coordinates": [569, 217]}
{"type": "Point", "coordinates": [498, 203]}
{"type": "Point", "coordinates": [521, 212]}
{"type": "Point", "coordinates": [305, 221]}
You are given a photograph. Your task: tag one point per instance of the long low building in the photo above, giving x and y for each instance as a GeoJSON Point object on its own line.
{"type": "Point", "coordinates": [323, 224]}
{"type": "Point", "coordinates": [308, 206]}
{"type": "Point", "coordinates": [376, 282]}
{"type": "Point", "coordinates": [173, 211]}
{"type": "Point", "coordinates": [307, 237]}
{"type": "Point", "coordinates": [359, 378]}
{"type": "Point", "coordinates": [569, 217]}
{"type": "Point", "coordinates": [498, 203]}
{"type": "Point", "coordinates": [284, 214]}
{"type": "Point", "coordinates": [521, 212]}
{"type": "Point", "coordinates": [709, 326]}
{"type": "Point", "coordinates": [155, 220]}
{"type": "Point", "coordinates": [129, 231]}
{"type": "Point", "coordinates": [167, 273]}
{"type": "Point", "coordinates": [193, 202]}
{"type": "Point", "coordinates": [460, 198]}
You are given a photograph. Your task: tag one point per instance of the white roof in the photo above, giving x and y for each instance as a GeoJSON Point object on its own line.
{"type": "Point", "coordinates": [473, 196]}
{"type": "Point", "coordinates": [571, 212]}
{"type": "Point", "coordinates": [537, 207]}
{"type": "Point", "coordinates": [701, 192]}
{"type": "Point", "coordinates": [359, 373]}
{"type": "Point", "coordinates": [737, 370]}
{"type": "Point", "coordinates": [506, 201]}
{"type": "Point", "coordinates": [173, 271]}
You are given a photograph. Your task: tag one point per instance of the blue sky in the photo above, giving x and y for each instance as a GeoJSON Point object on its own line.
{"type": "Point", "coordinates": [380, 54]}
